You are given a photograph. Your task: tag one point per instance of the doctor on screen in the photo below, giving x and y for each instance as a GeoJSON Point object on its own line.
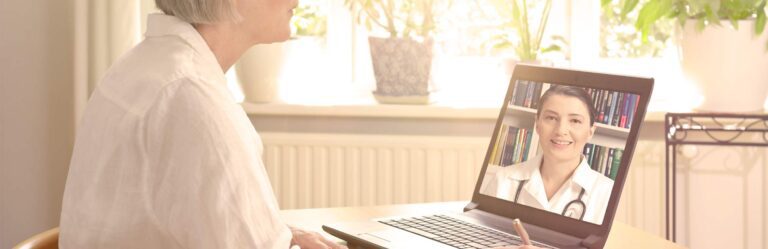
{"type": "Point", "coordinates": [559, 179]}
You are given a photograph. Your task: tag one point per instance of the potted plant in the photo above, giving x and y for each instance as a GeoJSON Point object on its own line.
{"type": "Point", "coordinates": [516, 31]}
{"type": "Point", "coordinates": [725, 60]}
{"type": "Point", "coordinates": [259, 69]}
{"type": "Point", "coordinates": [402, 58]}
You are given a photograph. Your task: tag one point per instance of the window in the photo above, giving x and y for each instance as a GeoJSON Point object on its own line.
{"type": "Point", "coordinates": [467, 70]}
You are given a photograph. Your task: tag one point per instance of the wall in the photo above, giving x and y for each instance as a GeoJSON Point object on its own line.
{"type": "Point", "coordinates": [36, 114]}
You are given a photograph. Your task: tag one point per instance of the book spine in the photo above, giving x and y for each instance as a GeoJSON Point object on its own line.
{"type": "Point", "coordinates": [607, 170]}
{"type": "Point", "coordinates": [529, 94]}
{"type": "Point", "coordinates": [617, 113]}
{"type": "Point", "coordinates": [616, 163]}
{"type": "Point", "coordinates": [509, 149]}
{"type": "Point", "coordinates": [516, 146]}
{"type": "Point", "coordinates": [633, 110]}
{"type": "Point", "coordinates": [536, 95]}
{"type": "Point", "coordinates": [521, 92]}
{"type": "Point", "coordinates": [498, 147]}
{"type": "Point", "coordinates": [603, 106]}
{"type": "Point", "coordinates": [514, 93]}
{"type": "Point", "coordinates": [596, 159]}
{"type": "Point", "coordinates": [611, 108]}
{"type": "Point", "coordinates": [520, 145]}
{"type": "Point", "coordinates": [624, 110]}
{"type": "Point", "coordinates": [593, 97]}
{"type": "Point", "coordinates": [528, 144]}
{"type": "Point", "coordinates": [588, 153]}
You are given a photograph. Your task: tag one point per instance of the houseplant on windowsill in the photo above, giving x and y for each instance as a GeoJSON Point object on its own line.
{"type": "Point", "coordinates": [259, 69]}
{"type": "Point", "coordinates": [518, 32]}
{"type": "Point", "coordinates": [723, 47]}
{"type": "Point", "coordinates": [402, 60]}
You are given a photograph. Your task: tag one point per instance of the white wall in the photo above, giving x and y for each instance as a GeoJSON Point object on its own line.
{"type": "Point", "coordinates": [36, 114]}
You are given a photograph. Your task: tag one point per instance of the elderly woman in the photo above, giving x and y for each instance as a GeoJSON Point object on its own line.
{"type": "Point", "coordinates": [165, 157]}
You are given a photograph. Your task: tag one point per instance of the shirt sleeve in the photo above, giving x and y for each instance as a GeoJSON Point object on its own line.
{"type": "Point", "coordinates": [205, 182]}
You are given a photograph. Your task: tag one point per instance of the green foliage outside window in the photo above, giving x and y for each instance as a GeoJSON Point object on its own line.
{"type": "Point", "coordinates": [309, 19]}
{"type": "Point", "coordinates": [619, 38]}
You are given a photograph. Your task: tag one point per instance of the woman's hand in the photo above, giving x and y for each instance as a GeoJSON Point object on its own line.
{"type": "Point", "coordinates": [311, 240]}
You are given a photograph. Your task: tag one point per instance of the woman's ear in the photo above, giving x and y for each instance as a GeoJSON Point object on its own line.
{"type": "Point", "coordinates": [592, 130]}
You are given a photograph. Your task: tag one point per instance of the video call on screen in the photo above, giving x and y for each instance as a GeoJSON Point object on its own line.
{"type": "Point", "coordinates": [562, 138]}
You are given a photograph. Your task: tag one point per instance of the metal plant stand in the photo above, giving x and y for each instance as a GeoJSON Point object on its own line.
{"type": "Point", "coordinates": [721, 129]}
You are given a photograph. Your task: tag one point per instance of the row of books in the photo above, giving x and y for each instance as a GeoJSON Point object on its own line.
{"type": "Point", "coordinates": [613, 108]}
{"type": "Point", "coordinates": [513, 146]}
{"type": "Point", "coordinates": [526, 94]}
{"type": "Point", "coordinates": [603, 159]}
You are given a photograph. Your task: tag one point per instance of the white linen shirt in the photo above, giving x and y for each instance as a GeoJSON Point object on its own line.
{"type": "Point", "coordinates": [166, 158]}
{"type": "Point", "coordinates": [597, 188]}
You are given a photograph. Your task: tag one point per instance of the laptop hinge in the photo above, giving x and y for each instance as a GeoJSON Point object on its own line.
{"type": "Point", "coordinates": [592, 241]}
{"type": "Point", "coordinates": [470, 206]}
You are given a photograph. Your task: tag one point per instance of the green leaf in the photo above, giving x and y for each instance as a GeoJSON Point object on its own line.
{"type": "Point", "coordinates": [682, 17]}
{"type": "Point", "coordinates": [603, 3]}
{"type": "Point", "coordinates": [711, 16]}
{"type": "Point", "coordinates": [650, 13]}
{"type": "Point", "coordinates": [700, 24]}
{"type": "Point", "coordinates": [551, 48]}
{"type": "Point", "coordinates": [760, 22]}
{"type": "Point", "coordinates": [629, 5]}
{"type": "Point", "coordinates": [502, 45]}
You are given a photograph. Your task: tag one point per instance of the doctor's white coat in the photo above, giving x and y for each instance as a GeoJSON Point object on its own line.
{"type": "Point", "coordinates": [597, 188]}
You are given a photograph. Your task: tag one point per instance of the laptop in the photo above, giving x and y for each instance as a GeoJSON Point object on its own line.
{"type": "Point", "coordinates": [557, 160]}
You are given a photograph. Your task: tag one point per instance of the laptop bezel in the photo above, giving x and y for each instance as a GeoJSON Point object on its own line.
{"type": "Point", "coordinates": [545, 219]}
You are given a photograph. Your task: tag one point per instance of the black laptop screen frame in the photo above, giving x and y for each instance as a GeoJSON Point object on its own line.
{"type": "Point", "coordinates": [543, 218]}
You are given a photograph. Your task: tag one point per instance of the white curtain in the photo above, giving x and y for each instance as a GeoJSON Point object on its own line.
{"type": "Point", "coordinates": [104, 30]}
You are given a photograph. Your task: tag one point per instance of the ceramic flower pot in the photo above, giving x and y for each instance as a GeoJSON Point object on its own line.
{"type": "Point", "coordinates": [730, 66]}
{"type": "Point", "coordinates": [402, 68]}
{"type": "Point", "coordinates": [259, 70]}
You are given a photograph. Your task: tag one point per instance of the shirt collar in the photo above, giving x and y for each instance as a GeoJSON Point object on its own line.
{"type": "Point", "coordinates": [527, 169]}
{"type": "Point", "coordinates": [159, 24]}
{"type": "Point", "coordinates": [583, 176]}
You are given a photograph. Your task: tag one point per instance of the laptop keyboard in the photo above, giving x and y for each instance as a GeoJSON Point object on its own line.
{"type": "Point", "coordinates": [456, 233]}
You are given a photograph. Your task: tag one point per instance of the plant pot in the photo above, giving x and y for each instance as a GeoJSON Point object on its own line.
{"type": "Point", "coordinates": [730, 66]}
{"type": "Point", "coordinates": [259, 70]}
{"type": "Point", "coordinates": [401, 67]}
{"type": "Point", "coordinates": [509, 63]}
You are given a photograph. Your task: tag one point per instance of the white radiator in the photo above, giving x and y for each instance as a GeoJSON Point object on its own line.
{"type": "Point", "coordinates": [310, 170]}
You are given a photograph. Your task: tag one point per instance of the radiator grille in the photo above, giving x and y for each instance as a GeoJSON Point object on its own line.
{"type": "Point", "coordinates": [331, 170]}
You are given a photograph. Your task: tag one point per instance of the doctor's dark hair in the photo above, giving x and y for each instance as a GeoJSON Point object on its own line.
{"type": "Point", "coordinates": [570, 91]}
{"type": "Point", "coordinates": [200, 11]}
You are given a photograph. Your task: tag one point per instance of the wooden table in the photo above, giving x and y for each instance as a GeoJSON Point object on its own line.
{"type": "Point", "coordinates": [621, 236]}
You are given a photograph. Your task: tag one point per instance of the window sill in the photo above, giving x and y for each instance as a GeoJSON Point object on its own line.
{"type": "Point", "coordinates": [375, 110]}
{"type": "Point", "coordinates": [372, 110]}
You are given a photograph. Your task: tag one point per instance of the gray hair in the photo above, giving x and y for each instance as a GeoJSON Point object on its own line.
{"type": "Point", "coordinates": [200, 11]}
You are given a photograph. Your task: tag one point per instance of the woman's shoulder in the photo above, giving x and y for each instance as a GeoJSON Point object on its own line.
{"type": "Point", "coordinates": [518, 171]}
{"type": "Point", "coordinates": [150, 72]}
{"type": "Point", "coordinates": [153, 61]}
{"type": "Point", "coordinates": [603, 182]}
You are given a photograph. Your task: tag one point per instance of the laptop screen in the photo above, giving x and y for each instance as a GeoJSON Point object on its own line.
{"type": "Point", "coordinates": [559, 147]}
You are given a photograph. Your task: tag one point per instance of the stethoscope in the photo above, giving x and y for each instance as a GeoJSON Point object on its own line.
{"type": "Point", "coordinates": [574, 209]}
